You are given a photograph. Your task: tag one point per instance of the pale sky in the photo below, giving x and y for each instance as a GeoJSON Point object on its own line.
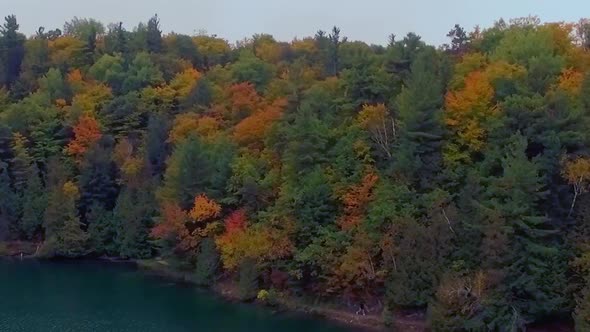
{"type": "Point", "coordinates": [367, 20]}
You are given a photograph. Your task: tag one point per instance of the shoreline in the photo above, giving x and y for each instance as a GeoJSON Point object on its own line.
{"type": "Point", "coordinates": [226, 289]}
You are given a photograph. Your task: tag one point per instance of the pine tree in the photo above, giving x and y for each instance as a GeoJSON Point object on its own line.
{"type": "Point", "coordinates": [34, 203]}
{"type": "Point", "coordinates": [248, 280]}
{"type": "Point", "coordinates": [12, 51]}
{"type": "Point", "coordinates": [98, 174]}
{"type": "Point", "coordinates": [533, 279]}
{"type": "Point", "coordinates": [154, 35]}
{"type": "Point", "coordinates": [200, 96]}
{"type": "Point", "coordinates": [133, 218]}
{"type": "Point", "coordinates": [8, 205]}
{"type": "Point", "coordinates": [207, 262]}
{"type": "Point", "coordinates": [101, 230]}
{"type": "Point", "coordinates": [20, 165]}
{"type": "Point", "coordinates": [63, 234]}
{"type": "Point", "coordinates": [156, 145]}
{"type": "Point", "coordinates": [418, 155]}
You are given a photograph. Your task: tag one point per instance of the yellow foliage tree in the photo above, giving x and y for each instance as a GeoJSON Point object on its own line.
{"type": "Point", "coordinates": [204, 209]}
{"type": "Point", "coordinates": [377, 120]}
{"type": "Point", "coordinates": [184, 82]}
{"type": "Point", "coordinates": [467, 111]}
{"type": "Point", "coordinates": [577, 174]}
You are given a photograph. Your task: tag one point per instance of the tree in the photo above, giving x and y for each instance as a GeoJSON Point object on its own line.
{"type": "Point", "coordinates": [467, 115]}
{"type": "Point", "coordinates": [334, 51]}
{"type": "Point", "coordinates": [249, 68]}
{"type": "Point", "coordinates": [54, 85]}
{"type": "Point", "coordinates": [248, 280]}
{"type": "Point", "coordinates": [532, 279]}
{"type": "Point", "coordinates": [199, 97]}
{"type": "Point", "coordinates": [109, 69]}
{"type": "Point", "coordinates": [157, 149]}
{"type": "Point", "coordinates": [142, 73]}
{"type": "Point", "coordinates": [63, 235]}
{"type": "Point", "coordinates": [34, 203]}
{"type": "Point", "coordinates": [577, 173]}
{"type": "Point", "coordinates": [86, 133]}
{"type": "Point", "coordinates": [154, 35]}
{"type": "Point", "coordinates": [83, 28]}
{"type": "Point", "coordinates": [207, 262]}
{"type": "Point", "coordinates": [21, 163]}
{"type": "Point", "coordinates": [196, 167]}
{"type": "Point", "coordinates": [8, 205]}
{"type": "Point", "coordinates": [418, 155]}
{"type": "Point", "coordinates": [133, 218]}
{"type": "Point", "coordinates": [116, 40]}
{"type": "Point", "coordinates": [13, 51]}
{"type": "Point", "coordinates": [124, 117]}
{"type": "Point", "coordinates": [101, 230]}
{"type": "Point", "coordinates": [98, 177]}
{"type": "Point", "coordinates": [459, 40]}
{"type": "Point", "coordinates": [378, 121]}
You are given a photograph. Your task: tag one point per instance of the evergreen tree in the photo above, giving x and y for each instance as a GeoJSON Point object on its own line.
{"type": "Point", "coordinates": [133, 219]}
{"type": "Point", "coordinates": [34, 203]}
{"type": "Point", "coordinates": [196, 167]}
{"type": "Point", "coordinates": [8, 205]}
{"type": "Point", "coordinates": [200, 96]}
{"type": "Point", "coordinates": [532, 279]}
{"type": "Point", "coordinates": [12, 51]}
{"type": "Point", "coordinates": [64, 236]}
{"type": "Point", "coordinates": [116, 39]}
{"type": "Point", "coordinates": [154, 35]}
{"type": "Point", "coordinates": [248, 280]}
{"type": "Point", "coordinates": [21, 163]}
{"type": "Point", "coordinates": [98, 174]}
{"type": "Point", "coordinates": [418, 155]}
{"type": "Point", "coordinates": [101, 230]}
{"type": "Point", "coordinates": [157, 147]}
{"type": "Point", "coordinates": [207, 262]}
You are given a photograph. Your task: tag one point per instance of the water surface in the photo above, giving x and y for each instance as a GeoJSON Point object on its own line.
{"type": "Point", "coordinates": [90, 296]}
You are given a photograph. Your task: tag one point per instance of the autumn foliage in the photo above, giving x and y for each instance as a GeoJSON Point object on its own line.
{"type": "Point", "coordinates": [86, 133]}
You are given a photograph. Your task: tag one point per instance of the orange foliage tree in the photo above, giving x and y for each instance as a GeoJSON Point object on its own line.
{"type": "Point", "coordinates": [86, 133]}
{"type": "Point", "coordinates": [252, 130]}
{"type": "Point", "coordinates": [356, 200]}
{"type": "Point", "coordinates": [187, 229]}
{"type": "Point", "coordinates": [244, 100]}
{"type": "Point", "coordinates": [185, 125]}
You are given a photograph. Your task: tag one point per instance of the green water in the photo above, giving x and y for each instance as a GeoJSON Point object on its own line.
{"type": "Point", "coordinates": [90, 296]}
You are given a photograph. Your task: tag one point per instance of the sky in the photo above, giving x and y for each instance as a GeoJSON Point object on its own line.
{"type": "Point", "coordinates": [371, 21]}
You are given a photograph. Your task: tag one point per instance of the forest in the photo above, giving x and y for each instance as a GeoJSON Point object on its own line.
{"type": "Point", "coordinates": [452, 179]}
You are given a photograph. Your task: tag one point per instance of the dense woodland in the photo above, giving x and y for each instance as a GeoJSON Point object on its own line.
{"type": "Point", "coordinates": [452, 179]}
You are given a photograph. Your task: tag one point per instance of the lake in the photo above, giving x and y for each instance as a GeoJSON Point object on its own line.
{"type": "Point", "coordinates": [93, 296]}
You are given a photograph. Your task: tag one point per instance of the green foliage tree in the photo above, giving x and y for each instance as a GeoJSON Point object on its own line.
{"type": "Point", "coordinates": [64, 236]}
{"type": "Point", "coordinates": [207, 262]}
{"type": "Point", "coordinates": [8, 206]}
{"type": "Point", "coordinates": [34, 203]}
{"type": "Point", "coordinates": [12, 51]}
{"type": "Point", "coordinates": [132, 216]}
{"type": "Point", "coordinates": [248, 280]}
{"type": "Point", "coordinates": [101, 230]}
{"type": "Point", "coordinates": [196, 167]}
{"type": "Point", "coordinates": [418, 155]}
